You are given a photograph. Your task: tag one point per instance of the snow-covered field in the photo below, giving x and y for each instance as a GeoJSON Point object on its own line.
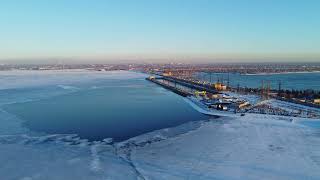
{"type": "Point", "coordinates": [249, 147]}
{"type": "Point", "coordinates": [251, 98]}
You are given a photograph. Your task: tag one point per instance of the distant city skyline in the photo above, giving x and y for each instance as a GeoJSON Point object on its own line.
{"type": "Point", "coordinates": [189, 31]}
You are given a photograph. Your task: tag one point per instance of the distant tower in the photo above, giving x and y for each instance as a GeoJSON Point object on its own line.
{"type": "Point", "coordinates": [262, 89]}
{"type": "Point", "coordinates": [228, 83]}
{"type": "Point", "coordinates": [268, 89]}
{"type": "Point", "coordinates": [279, 87]}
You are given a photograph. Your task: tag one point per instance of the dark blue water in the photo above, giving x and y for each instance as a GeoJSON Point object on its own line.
{"type": "Point", "coordinates": [119, 109]}
{"type": "Point", "coordinates": [298, 81]}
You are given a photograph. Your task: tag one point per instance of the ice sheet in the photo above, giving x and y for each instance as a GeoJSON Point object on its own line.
{"type": "Point", "coordinates": [249, 147]}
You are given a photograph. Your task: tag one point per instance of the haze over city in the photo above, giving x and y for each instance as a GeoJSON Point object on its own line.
{"type": "Point", "coordinates": [159, 31]}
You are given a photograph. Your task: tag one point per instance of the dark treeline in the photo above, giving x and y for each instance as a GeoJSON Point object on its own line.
{"type": "Point", "coordinates": [300, 94]}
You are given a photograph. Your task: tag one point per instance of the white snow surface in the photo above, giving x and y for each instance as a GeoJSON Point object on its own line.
{"type": "Point", "coordinates": [251, 98]}
{"type": "Point", "coordinates": [249, 147]}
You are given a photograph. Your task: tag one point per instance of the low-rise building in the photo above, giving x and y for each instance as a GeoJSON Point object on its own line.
{"type": "Point", "coordinates": [220, 87]}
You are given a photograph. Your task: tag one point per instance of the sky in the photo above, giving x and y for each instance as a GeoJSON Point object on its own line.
{"type": "Point", "coordinates": [159, 30]}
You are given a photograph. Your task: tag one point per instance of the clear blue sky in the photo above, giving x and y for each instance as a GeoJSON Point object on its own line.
{"type": "Point", "coordinates": [159, 29]}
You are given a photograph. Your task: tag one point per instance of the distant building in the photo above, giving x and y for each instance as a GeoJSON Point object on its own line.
{"type": "Point", "coordinates": [316, 101]}
{"type": "Point", "coordinates": [167, 74]}
{"type": "Point", "coordinates": [220, 87]}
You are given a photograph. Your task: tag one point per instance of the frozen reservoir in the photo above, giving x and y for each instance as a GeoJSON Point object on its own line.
{"type": "Point", "coordinates": [117, 105]}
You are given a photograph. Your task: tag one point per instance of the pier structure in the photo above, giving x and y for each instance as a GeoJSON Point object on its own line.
{"type": "Point", "coordinates": [169, 87]}
{"type": "Point", "coordinates": [190, 84]}
{"type": "Point", "coordinates": [176, 81]}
